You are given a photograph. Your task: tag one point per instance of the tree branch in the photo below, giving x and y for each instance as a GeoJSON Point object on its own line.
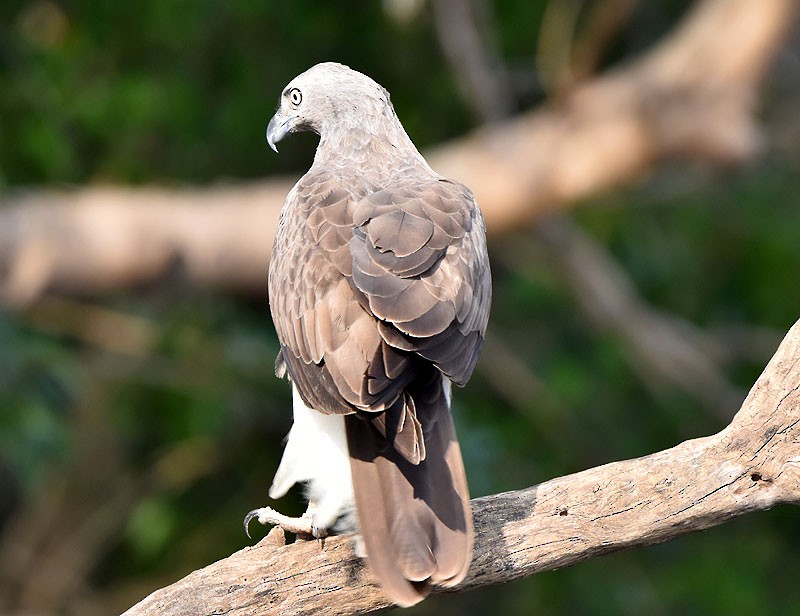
{"type": "Point", "coordinates": [691, 97]}
{"type": "Point", "coordinates": [751, 465]}
{"type": "Point", "coordinates": [657, 344]}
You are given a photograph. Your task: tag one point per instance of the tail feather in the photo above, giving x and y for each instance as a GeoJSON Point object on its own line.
{"type": "Point", "coordinates": [415, 519]}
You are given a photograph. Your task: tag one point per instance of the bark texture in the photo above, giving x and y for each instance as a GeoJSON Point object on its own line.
{"type": "Point", "coordinates": [751, 465]}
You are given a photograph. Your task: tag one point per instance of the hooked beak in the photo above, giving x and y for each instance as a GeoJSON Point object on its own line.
{"type": "Point", "coordinates": [278, 128]}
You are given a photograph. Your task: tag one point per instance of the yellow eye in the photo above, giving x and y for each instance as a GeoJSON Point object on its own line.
{"type": "Point", "coordinates": [295, 96]}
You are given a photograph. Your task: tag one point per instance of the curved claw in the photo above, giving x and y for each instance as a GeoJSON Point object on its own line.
{"type": "Point", "coordinates": [267, 515]}
{"type": "Point", "coordinates": [247, 519]}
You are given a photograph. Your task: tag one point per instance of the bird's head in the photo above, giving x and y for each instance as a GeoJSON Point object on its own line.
{"type": "Point", "coordinates": [327, 95]}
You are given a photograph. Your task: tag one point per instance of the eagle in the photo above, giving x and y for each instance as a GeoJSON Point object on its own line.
{"type": "Point", "coordinates": [379, 288]}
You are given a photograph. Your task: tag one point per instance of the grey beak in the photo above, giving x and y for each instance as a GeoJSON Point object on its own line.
{"type": "Point", "coordinates": [277, 129]}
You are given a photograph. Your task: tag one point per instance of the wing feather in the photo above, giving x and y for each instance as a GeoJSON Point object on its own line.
{"type": "Point", "coordinates": [365, 284]}
{"type": "Point", "coordinates": [422, 282]}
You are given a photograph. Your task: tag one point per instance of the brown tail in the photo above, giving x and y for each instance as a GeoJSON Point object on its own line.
{"type": "Point", "coordinates": [415, 520]}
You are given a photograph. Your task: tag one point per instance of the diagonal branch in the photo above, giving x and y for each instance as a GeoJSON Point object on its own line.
{"type": "Point", "coordinates": [657, 344]}
{"type": "Point", "coordinates": [751, 465]}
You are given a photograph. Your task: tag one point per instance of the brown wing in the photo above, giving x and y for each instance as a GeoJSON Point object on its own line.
{"type": "Point", "coordinates": [330, 345]}
{"type": "Point", "coordinates": [419, 258]}
{"type": "Point", "coordinates": [367, 288]}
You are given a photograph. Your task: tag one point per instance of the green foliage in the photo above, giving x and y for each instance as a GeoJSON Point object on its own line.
{"type": "Point", "coordinates": [37, 383]}
{"type": "Point", "coordinates": [150, 91]}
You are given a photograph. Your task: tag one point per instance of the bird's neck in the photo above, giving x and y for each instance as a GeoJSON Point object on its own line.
{"type": "Point", "coordinates": [368, 143]}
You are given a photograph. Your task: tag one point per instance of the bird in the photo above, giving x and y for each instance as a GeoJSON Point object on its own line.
{"type": "Point", "coordinates": [380, 290]}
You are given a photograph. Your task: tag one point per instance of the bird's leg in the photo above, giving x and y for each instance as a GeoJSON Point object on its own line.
{"type": "Point", "coordinates": [313, 523]}
{"type": "Point", "coordinates": [267, 515]}
{"type": "Point", "coordinates": [323, 514]}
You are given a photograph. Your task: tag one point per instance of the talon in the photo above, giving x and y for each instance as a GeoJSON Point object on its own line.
{"type": "Point", "coordinates": [359, 548]}
{"type": "Point", "coordinates": [318, 533]}
{"type": "Point", "coordinates": [247, 519]}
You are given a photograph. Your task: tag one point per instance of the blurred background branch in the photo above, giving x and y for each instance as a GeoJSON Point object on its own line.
{"type": "Point", "coordinates": [692, 97]}
{"type": "Point", "coordinates": [658, 346]}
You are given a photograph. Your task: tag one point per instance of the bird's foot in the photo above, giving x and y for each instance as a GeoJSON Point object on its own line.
{"type": "Point", "coordinates": [319, 533]}
{"type": "Point", "coordinates": [301, 526]}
